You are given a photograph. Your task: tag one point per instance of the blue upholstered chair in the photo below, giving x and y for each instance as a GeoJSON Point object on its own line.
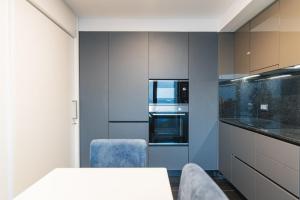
{"type": "Point", "coordinates": [195, 184]}
{"type": "Point", "coordinates": [118, 153]}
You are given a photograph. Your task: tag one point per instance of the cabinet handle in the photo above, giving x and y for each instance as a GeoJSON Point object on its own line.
{"type": "Point", "coordinates": [248, 53]}
{"type": "Point", "coordinates": [75, 104]}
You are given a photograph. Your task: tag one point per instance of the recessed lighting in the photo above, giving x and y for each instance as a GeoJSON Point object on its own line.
{"type": "Point", "coordinates": [252, 76]}
{"type": "Point", "coordinates": [246, 77]}
{"type": "Point", "coordinates": [280, 76]}
{"type": "Point", "coordinates": [294, 67]}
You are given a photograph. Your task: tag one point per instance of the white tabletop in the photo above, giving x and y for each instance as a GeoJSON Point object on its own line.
{"type": "Point", "coordinates": [101, 184]}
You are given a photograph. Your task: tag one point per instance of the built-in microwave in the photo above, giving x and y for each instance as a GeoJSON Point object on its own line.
{"type": "Point", "coordinates": [168, 92]}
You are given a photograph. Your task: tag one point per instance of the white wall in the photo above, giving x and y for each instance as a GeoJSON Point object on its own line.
{"type": "Point", "coordinates": [4, 99]}
{"type": "Point", "coordinates": [42, 92]}
{"type": "Point", "coordinates": [59, 12]}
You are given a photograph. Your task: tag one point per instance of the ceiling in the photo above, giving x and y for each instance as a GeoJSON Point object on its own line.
{"type": "Point", "coordinates": [209, 15]}
{"type": "Point", "coordinates": [151, 8]}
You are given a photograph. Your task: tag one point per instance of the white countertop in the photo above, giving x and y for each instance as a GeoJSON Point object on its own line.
{"type": "Point", "coordinates": [101, 184]}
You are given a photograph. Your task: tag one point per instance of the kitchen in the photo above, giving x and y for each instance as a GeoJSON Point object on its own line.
{"type": "Point", "coordinates": [214, 83]}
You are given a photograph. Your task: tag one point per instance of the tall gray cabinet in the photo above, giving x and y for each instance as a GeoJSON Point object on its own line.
{"type": "Point", "coordinates": [203, 105]}
{"type": "Point", "coordinates": [93, 81]}
{"type": "Point", "coordinates": [128, 85]}
{"type": "Point", "coordinates": [168, 55]}
{"type": "Point", "coordinates": [114, 72]}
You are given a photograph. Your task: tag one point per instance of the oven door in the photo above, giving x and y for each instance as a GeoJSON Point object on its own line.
{"type": "Point", "coordinates": [168, 127]}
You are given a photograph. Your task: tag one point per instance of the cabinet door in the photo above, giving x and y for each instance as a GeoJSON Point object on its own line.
{"type": "Point", "coordinates": [242, 50]}
{"type": "Point", "coordinates": [203, 105]}
{"type": "Point", "coordinates": [168, 55]}
{"type": "Point", "coordinates": [243, 145]}
{"type": "Point", "coordinates": [243, 178]}
{"type": "Point", "coordinates": [226, 54]}
{"type": "Point", "coordinates": [93, 83]}
{"type": "Point", "coordinates": [265, 189]}
{"type": "Point", "coordinates": [170, 157]}
{"type": "Point", "coordinates": [278, 161]}
{"type": "Point", "coordinates": [225, 150]}
{"type": "Point", "coordinates": [128, 131]}
{"type": "Point", "coordinates": [264, 43]}
{"type": "Point", "coordinates": [289, 33]}
{"type": "Point", "coordinates": [128, 76]}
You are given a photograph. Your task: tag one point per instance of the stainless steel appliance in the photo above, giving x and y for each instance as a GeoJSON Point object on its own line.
{"type": "Point", "coordinates": [168, 111]}
{"type": "Point", "coordinates": [168, 92]}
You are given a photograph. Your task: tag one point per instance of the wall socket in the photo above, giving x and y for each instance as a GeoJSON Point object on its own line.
{"type": "Point", "coordinates": [264, 107]}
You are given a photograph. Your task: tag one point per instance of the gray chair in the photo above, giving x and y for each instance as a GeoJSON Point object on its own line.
{"type": "Point", "coordinates": [195, 184]}
{"type": "Point", "coordinates": [118, 153]}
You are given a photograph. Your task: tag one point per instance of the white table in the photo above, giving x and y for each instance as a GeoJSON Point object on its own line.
{"type": "Point", "coordinates": [101, 184]}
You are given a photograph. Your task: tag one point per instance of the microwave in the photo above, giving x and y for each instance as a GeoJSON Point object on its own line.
{"type": "Point", "coordinates": [168, 92]}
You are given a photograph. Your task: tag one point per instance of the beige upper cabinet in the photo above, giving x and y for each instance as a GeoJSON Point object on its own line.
{"type": "Point", "coordinates": [264, 42]}
{"type": "Point", "coordinates": [289, 32]}
{"type": "Point", "coordinates": [226, 54]}
{"type": "Point", "coordinates": [242, 50]}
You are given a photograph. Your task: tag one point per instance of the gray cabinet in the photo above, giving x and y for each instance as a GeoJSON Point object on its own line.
{"type": "Point", "coordinates": [128, 76]}
{"type": "Point", "coordinates": [203, 105]}
{"type": "Point", "coordinates": [268, 164]}
{"type": "Point", "coordinates": [168, 55]}
{"type": "Point", "coordinates": [265, 189]}
{"type": "Point", "coordinates": [242, 145]}
{"type": "Point", "coordinates": [93, 83]}
{"type": "Point", "coordinates": [243, 178]}
{"type": "Point", "coordinates": [170, 157]}
{"type": "Point", "coordinates": [128, 130]}
{"type": "Point", "coordinates": [225, 150]}
{"type": "Point", "coordinates": [279, 161]}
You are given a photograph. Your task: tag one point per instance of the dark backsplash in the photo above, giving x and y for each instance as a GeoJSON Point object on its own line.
{"type": "Point", "coordinates": [244, 98]}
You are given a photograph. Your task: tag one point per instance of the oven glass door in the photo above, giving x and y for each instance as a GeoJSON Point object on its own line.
{"type": "Point", "coordinates": [168, 91]}
{"type": "Point", "coordinates": [168, 127]}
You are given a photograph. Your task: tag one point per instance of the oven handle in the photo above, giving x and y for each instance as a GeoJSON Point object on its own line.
{"type": "Point", "coordinates": [168, 114]}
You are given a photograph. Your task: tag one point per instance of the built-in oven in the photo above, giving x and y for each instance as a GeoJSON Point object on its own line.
{"type": "Point", "coordinates": [168, 111]}
{"type": "Point", "coordinates": [168, 124]}
{"type": "Point", "coordinates": [168, 92]}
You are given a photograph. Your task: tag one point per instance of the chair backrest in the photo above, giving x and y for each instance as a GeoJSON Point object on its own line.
{"type": "Point", "coordinates": [118, 153]}
{"type": "Point", "coordinates": [195, 184]}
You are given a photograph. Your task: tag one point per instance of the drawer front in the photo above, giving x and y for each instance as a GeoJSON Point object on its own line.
{"type": "Point", "coordinates": [278, 161]}
{"type": "Point", "coordinates": [242, 142]}
{"type": "Point", "coordinates": [225, 150]}
{"type": "Point", "coordinates": [170, 157]}
{"type": "Point", "coordinates": [280, 151]}
{"type": "Point", "coordinates": [265, 189]}
{"type": "Point", "coordinates": [243, 178]}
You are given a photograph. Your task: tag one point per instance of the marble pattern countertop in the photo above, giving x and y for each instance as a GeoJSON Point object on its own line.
{"type": "Point", "coordinates": [268, 128]}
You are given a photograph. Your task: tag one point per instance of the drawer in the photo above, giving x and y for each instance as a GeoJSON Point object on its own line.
{"type": "Point", "coordinates": [243, 178]}
{"type": "Point", "coordinates": [242, 142]}
{"type": "Point", "coordinates": [265, 189]}
{"type": "Point", "coordinates": [170, 157]}
{"type": "Point", "coordinates": [225, 150]}
{"type": "Point", "coordinates": [278, 161]}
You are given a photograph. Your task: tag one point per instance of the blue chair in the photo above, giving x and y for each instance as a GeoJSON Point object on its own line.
{"type": "Point", "coordinates": [195, 184]}
{"type": "Point", "coordinates": [118, 153]}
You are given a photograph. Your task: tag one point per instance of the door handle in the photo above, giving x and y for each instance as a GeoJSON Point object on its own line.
{"type": "Point", "coordinates": [75, 109]}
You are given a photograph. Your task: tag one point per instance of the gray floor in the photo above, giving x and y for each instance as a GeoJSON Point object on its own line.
{"type": "Point", "coordinates": [228, 189]}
